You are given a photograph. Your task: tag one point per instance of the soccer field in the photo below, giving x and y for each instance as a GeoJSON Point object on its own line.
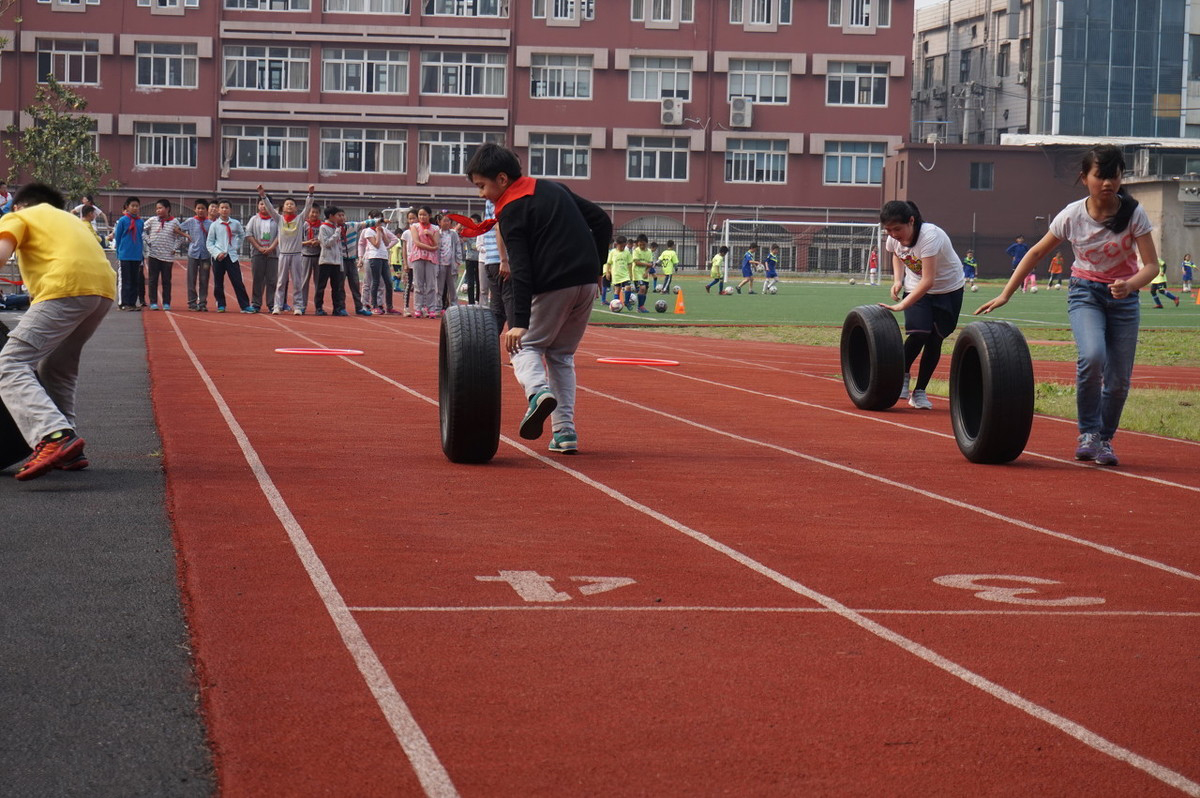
{"type": "Point", "coordinates": [825, 303]}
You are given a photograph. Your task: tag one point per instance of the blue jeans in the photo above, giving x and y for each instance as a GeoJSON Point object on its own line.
{"type": "Point", "coordinates": [1105, 331]}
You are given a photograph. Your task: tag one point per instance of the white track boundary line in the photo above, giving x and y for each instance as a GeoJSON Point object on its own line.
{"type": "Point", "coordinates": [1060, 722]}
{"type": "Point", "coordinates": [425, 763]}
{"type": "Point", "coordinates": [788, 611]}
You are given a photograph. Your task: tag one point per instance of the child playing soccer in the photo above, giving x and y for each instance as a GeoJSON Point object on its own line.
{"type": "Point", "coordinates": [620, 266]}
{"type": "Point", "coordinates": [73, 287]}
{"type": "Point", "coordinates": [970, 267]}
{"type": "Point", "coordinates": [643, 260]}
{"type": "Point", "coordinates": [555, 242]}
{"type": "Point", "coordinates": [669, 259]}
{"type": "Point", "coordinates": [1159, 286]}
{"type": "Point", "coordinates": [1108, 230]}
{"type": "Point", "coordinates": [771, 264]}
{"type": "Point", "coordinates": [1186, 267]}
{"type": "Point", "coordinates": [749, 262]}
{"type": "Point", "coordinates": [716, 271]}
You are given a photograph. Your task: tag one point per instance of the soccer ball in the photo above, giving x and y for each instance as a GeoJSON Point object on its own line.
{"type": "Point", "coordinates": [1033, 289]}
{"type": "Point", "coordinates": [677, 289]}
{"type": "Point", "coordinates": [1058, 286]}
{"type": "Point", "coordinates": [616, 305]}
{"type": "Point", "coordinates": [728, 290]}
{"type": "Point", "coordinates": [772, 289]}
{"type": "Point", "coordinates": [661, 306]}
{"type": "Point", "coordinates": [974, 288]}
{"type": "Point", "coordinates": [851, 281]}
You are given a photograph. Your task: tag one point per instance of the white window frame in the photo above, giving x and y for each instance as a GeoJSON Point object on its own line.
{"type": "Point", "coordinates": [175, 144]}
{"type": "Point", "coordinates": [290, 145]}
{"type": "Point", "coordinates": [657, 158]}
{"type": "Point", "coordinates": [376, 150]}
{"type": "Point", "coordinates": [571, 154]}
{"type": "Point", "coordinates": [748, 76]}
{"type": "Point", "coordinates": [453, 147]}
{"type": "Point", "coordinates": [756, 160]}
{"type": "Point", "coordinates": [851, 157]}
{"type": "Point", "coordinates": [564, 10]}
{"type": "Point", "coordinates": [662, 10]}
{"type": "Point", "coordinates": [653, 78]}
{"type": "Point", "coordinates": [493, 9]}
{"type": "Point", "coordinates": [454, 73]}
{"type": "Point", "coordinates": [185, 62]}
{"type": "Point", "coordinates": [69, 2]}
{"type": "Point", "coordinates": [260, 63]}
{"type": "Point", "coordinates": [375, 68]}
{"type": "Point", "coordinates": [73, 56]}
{"type": "Point", "coordinates": [561, 76]}
{"type": "Point", "coordinates": [862, 78]}
{"type": "Point", "coordinates": [863, 14]}
{"type": "Point", "coordinates": [164, 3]}
{"type": "Point", "coordinates": [760, 13]}
{"type": "Point", "coordinates": [367, 6]}
{"type": "Point", "coordinates": [268, 5]}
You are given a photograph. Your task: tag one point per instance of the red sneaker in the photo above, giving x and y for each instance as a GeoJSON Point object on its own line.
{"type": "Point", "coordinates": [51, 453]}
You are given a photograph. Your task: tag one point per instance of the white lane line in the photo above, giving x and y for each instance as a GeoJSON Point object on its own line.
{"type": "Point", "coordinates": [1053, 719]}
{"type": "Point", "coordinates": [1041, 530]}
{"type": "Point", "coordinates": [428, 769]}
{"type": "Point", "coordinates": [786, 611]}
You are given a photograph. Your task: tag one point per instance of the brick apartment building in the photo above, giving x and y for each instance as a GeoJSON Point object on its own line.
{"type": "Point", "coordinates": [673, 114]}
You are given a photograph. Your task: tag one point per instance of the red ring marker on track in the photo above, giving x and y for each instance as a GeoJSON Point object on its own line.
{"type": "Point", "coordinates": [319, 351]}
{"type": "Point", "coordinates": [637, 361]}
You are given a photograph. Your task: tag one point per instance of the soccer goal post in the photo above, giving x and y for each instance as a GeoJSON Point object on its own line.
{"type": "Point", "coordinates": [830, 249]}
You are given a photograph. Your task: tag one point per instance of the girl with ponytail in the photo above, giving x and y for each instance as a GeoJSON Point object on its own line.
{"type": "Point", "coordinates": [1108, 231]}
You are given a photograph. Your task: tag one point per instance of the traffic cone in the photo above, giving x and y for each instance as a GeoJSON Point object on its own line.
{"type": "Point", "coordinates": [679, 308]}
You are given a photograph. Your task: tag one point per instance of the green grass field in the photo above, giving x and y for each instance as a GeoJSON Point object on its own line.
{"type": "Point", "coordinates": [811, 312]}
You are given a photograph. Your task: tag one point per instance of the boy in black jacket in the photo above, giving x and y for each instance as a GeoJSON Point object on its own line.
{"type": "Point", "coordinates": [556, 242]}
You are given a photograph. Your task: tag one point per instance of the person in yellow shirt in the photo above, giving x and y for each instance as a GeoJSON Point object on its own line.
{"type": "Point", "coordinates": [643, 261]}
{"type": "Point", "coordinates": [717, 271]}
{"type": "Point", "coordinates": [620, 265]}
{"type": "Point", "coordinates": [668, 260]}
{"type": "Point", "coordinates": [72, 287]}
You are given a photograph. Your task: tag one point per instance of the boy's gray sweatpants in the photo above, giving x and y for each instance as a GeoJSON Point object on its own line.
{"type": "Point", "coordinates": [547, 358]}
{"type": "Point", "coordinates": [46, 344]}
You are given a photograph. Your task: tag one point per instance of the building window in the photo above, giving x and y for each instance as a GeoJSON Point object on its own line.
{"type": "Point", "coordinates": [1003, 59]}
{"type": "Point", "coordinates": [165, 3]}
{"type": "Point", "coordinates": [165, 144]}
{"type": "Point", "coordinates": [854, 163]}
{"type": "Point", "coordinates": [368, 71]}
{"type": "Point", "coordinates": [463, 74]}
{"type": "Point", "coordinates": [860, 13]}
{"type": "Point", "coordinates": [258, 147]}
{"type": "Point", "coordinates": [564, 9]}
{"type": "Point", "coordinates": [755, 161]}
{"type": "Point", "coordinates": [368, 6]}
{"type": "Point", "coordinates": [662, 10]}
{"type": "Point", "coordinates": [935, 72]}
{"type": "Point", "coordinates": [269, 68]}
{"type": "Point", "coordinates": [466, 8]}
{"type": "Point", "coordinates": [856, 84]}
{"type": "Point", "coordinates": [69, 60]}
{"type": "Point", "coordinates": [561, 76]}
{"type": "Point", "coordinates": [167, 65]}
{"type": "Point", "coordinates": [760, 81]}
{"type": "Point", "coordinates": [653, 78]}
{"type": "Point", "coordinates": [560, 155]}
{"type": "Point", "coordinates": [446, 152]}
{"type": "Point", "coordinates": [352, 149]}
{"type": "Point", "coordinates": [269, 5]}
{"type": "Point", "coordinates": [981, 176]}
{"type": "Point", "coordinates": [760, 12]}
{"type": "Point", "coordinates": [657, 158]}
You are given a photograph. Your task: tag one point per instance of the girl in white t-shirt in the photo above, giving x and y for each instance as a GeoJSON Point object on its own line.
{"type": "Point", "coordinates": [928, 288]}
{"type": "Point", "coordinates": [1108, 230]}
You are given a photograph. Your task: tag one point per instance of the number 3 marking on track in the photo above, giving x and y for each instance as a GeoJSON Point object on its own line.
{"type": "Point", "coordinates": [1012, 595]}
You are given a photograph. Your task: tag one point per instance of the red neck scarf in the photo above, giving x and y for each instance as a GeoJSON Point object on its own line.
{"type": "Point", "coordinates": [287, 217]}
{"type": "Point", "coordinates": [133, 234]}
{"type": "Point", "coordinates": [228, 230]}
{"type": "Point", "coordinates": [201, 219]}
{"type": "Point", "coordinates": [521, 187]}
{"type": "Point", "coordinates": [264, 215]}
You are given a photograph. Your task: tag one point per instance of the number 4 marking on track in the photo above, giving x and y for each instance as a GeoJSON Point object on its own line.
{"type": "Point", "coordinates": [532, 586]}
{"type": "Point", "coordinates": [1012, 595]}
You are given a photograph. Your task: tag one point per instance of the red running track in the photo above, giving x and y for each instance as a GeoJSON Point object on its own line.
{"type": "Point", "coordinates": [742, 585]}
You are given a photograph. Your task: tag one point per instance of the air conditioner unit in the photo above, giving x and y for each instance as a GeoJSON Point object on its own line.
{"type": "Point", "coordinates": [741, 112]}
{"type": "Point", "coordinates": [671, 111]}
{"type": "Point", "coordinates": [1022, 78]}
{"type": "Point", "coordinates": [922, 95]}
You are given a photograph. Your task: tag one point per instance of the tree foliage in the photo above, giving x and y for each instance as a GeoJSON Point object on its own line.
{"type": "Point", "coordinates": [57, 148]}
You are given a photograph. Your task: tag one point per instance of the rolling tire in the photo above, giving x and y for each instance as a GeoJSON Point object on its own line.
{"type": "Point", "coordinates": [13, 448]}
{"type": "Point", "coordinates": [991, 392]}
{"type": "Point", "coordinates": [872, 357]}
{"type": "Point", "coordinates": [469, 384]}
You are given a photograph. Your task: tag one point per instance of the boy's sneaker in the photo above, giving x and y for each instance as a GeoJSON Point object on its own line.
{"type": "Point", "coordinates": [341, 312]}
{"type": "Point", "coordinates": [1105, 454]}
{"type": "Point", "coordinates": [904, 391]}
{"type": "Point", "coordinates": [77, 463]}
{"type": "Point", "coordinates": [220, 308]}
{"type": "Point", "coordinates": [919, 400]}
{"type": "Point", "coordinates": [541, 405]}
{"type": "Point", "coordinates": [153, 306]}
{"type": "Point", "coordinates": [321, 312]}
{"type": "Point", "coordinates": [564, 443]}
{"type": "Point", "coordinates": [297, 312]}
{"type": "Point", "coordinates": [51, 452]}
{"type": "Point", "coordinates": [1176, 305]}
{"type": "Point", "coordinates": [250, 309]}
{"type": "Point", "coordinates": [1089, 446]}
{"type": "Point", "coordinates": [363, 312]}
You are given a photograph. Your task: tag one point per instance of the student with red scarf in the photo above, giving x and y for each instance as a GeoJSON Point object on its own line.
{"type": "Point", "coordinates": [262, 231]}
{"type": "Point", "coordinates": [161, 234]}
{"type": "Point", "coordinates": [127, 236]}
{"type": "Point", "coordinates": [290, 225]}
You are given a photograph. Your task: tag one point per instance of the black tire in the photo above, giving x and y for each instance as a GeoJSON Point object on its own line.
{"type": "Point", "coordinates": [872, 357]}
{"type": "Point", "coordinates": [991, 392]}
{"type": "Point", "coordinates": [13, 448]}
{"type": "Point", "coordinates": [469, 384]}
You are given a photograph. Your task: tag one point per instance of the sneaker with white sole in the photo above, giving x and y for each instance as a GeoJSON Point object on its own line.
{"type": "Point", "coordinates": [1089, 446]}
{"type": "Point", "coordinates": [904, 391]}
{"type": "Point", "coordinates": [541, 405]}
{"type": "Point", "coordinates": [564, 443]}
{"type": "Point", "coordinates": [919, 400]}
{"type": "Point", "coordinates": [1105, 455]}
